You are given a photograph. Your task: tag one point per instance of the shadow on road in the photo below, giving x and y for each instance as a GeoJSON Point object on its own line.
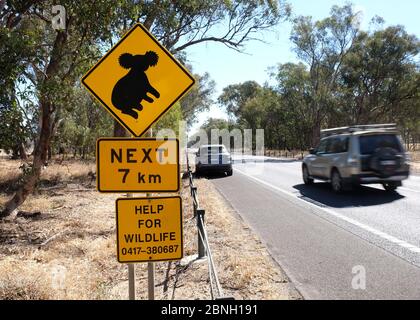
{"type": "Point", "coordinates": [213, 175]}
{"type": "Point", "coordinates": [322, 195]}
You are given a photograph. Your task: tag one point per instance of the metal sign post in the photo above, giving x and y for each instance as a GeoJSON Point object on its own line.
{"type": "Point", "coordinates": [151, 279]}
{"type": "Point", "coordinates": [131, 274]}
{"type": "Point", "coordinates": [151, 265]}
{"type": "Point", "coordinates": [131, 282]}
{"type": "Point", "coordinates": [137, 82]}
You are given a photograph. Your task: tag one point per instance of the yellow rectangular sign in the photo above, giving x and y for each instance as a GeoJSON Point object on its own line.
{"type": "Point", "coordinates": [137, 165]}
{"type": "Point", "coordinates": [149, 229]}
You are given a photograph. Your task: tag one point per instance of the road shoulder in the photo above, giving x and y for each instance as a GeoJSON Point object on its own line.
{"type": "Point", "coordinates": [247, 269]}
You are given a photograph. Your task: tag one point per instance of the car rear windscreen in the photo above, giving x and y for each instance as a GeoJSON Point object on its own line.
{"type": "Point", "coordinates": [369, 144]}
{"type": "Point", "coordinates": [212, 150]}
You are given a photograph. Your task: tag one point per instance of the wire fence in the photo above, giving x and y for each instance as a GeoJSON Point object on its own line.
{"type": "Point", "coordinates": [204, 250]}
{"type": "Point", "coordinates": [293, 154]}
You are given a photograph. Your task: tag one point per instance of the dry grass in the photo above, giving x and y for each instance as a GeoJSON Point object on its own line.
{"type": "Point", "coordinates": [415, 156]}
{"type": "Point", "coordinates": [55, 173]}
{"type": "Point", "coordinates": [79, 261]}
{"type": "Point", "coordinates": [415, 162]}
{"type": "Point", "coordinates": [415, 168]}
{"type": "Point", "coordinates": [9, 174]}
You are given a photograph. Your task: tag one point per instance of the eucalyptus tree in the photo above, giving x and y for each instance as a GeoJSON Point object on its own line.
{"type": "Point", "coordinates": [60, 57]}
{"type": "Point", "coordinates": [53, 66]}
{"type": "Point", "coordinates": [179, 25]}
{"type": "Point", "coordinates": [323, 45]}
{"type": "Point", "coordinates": [380, 74]}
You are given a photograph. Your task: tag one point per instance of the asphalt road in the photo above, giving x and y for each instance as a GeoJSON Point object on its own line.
{"type": "Point", "coordinates": [331, 245]}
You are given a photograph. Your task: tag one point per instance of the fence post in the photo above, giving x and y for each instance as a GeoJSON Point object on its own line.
{"type": "Point", "coordinates": [201, 233]}
{"type": "Point", "coordinates": [195, 200]}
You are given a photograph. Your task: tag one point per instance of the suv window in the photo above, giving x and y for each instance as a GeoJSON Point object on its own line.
{"type": "Point", "coordinates": [322, 147]}
{"type": "Point", "coordinates": [338, 145]}
{"type": "Point", "coordinates": [368, 144]}
{"type": "Point", "coordinates": [332, 145]}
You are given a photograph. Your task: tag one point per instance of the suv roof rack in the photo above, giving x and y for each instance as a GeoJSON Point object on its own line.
{"type": "Point", "coordinates": [356, 128]}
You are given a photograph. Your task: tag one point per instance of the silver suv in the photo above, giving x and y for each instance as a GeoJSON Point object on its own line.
{"type": "Point", "coordinates": [358, 155]}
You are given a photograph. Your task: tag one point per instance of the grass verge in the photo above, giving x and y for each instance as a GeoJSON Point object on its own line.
{"type": "Point", "coordinates": [69, 251]}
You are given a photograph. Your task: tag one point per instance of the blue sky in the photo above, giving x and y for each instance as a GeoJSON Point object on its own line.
{"type": "Point", "coordinates": [227, 66]}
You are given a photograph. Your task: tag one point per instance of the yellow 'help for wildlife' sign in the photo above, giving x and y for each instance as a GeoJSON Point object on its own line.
{"type": "Point", "coordinates": [138, 80]}
{"type": "Point", "coordinates": [137, 165]}
{"type": "Point", "coordinates": [149, 229]}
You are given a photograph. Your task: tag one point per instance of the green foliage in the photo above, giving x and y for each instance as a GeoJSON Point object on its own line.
{"type": "Point", "coordinates": [204, 136]}
{"type": "Point", "coordinates": [180, 24]}
{"type": "Point", "coordinates": [213, 123]}
{"type": "Point", "coordinates": [13, 132]}
{"type": "Point", "coordinates": [17, 47]}
{"type": "Point", "coordinates": [85, 122]}
{"type": "Point", "coordinates": [322, 46]}
{"type": "Point", "coordinates": [198, 99]}
{"type": "Point", "coordinates": [46, 65]}
{"type": "Point", "coordinates": [235, 96]}
{"type": "Point", "coordinates": [379, 74]}
{"type": "Point", "coordinates": [170, 120]}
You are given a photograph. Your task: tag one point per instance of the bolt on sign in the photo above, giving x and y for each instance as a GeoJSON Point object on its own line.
{"type": "Point", "coordinates": [149, 229]}
{"type": "Point", "coordinates": [138, 80]}
{"type": "Point", "coordinates": [137, 165]}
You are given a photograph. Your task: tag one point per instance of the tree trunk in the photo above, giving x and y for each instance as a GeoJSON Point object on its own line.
{"type": "Point", "coordinates": [49, 153]}
{"type": "Point", "coordinates": [15, 153]}
{"type": "Point", "coordinates": [22, 152]}
{"type": "Point", "coordinates": [316, 134]}
{"type": "Point", "coordinates": [41, 148]}
{"type": "Point", "coordinates": [32, 178]}
{"type": "Point", "coordinates": [119, 130]}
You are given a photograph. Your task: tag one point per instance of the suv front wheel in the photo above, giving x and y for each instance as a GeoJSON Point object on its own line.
{"type": "Point", "coordinates": [306, 177]}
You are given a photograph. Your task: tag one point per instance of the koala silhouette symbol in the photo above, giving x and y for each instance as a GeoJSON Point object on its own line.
{"type": "Point", "coordinates": [131, 89]}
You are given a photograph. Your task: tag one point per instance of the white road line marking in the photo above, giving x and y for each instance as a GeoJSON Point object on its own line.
{"type": "Point", "coordinates": [376, 232]}
{"type": "Point", "coordinates": [408, 189]}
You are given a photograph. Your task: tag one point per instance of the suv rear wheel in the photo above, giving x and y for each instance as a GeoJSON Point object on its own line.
{"type": "Point", "coordinates": [336, 181]}
{"type": "Point", "coordinates": [306, 177]}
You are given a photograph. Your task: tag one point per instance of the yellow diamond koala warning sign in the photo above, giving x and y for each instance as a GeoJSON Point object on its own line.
{"type": "Point", "coordinates": [138, 80]}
